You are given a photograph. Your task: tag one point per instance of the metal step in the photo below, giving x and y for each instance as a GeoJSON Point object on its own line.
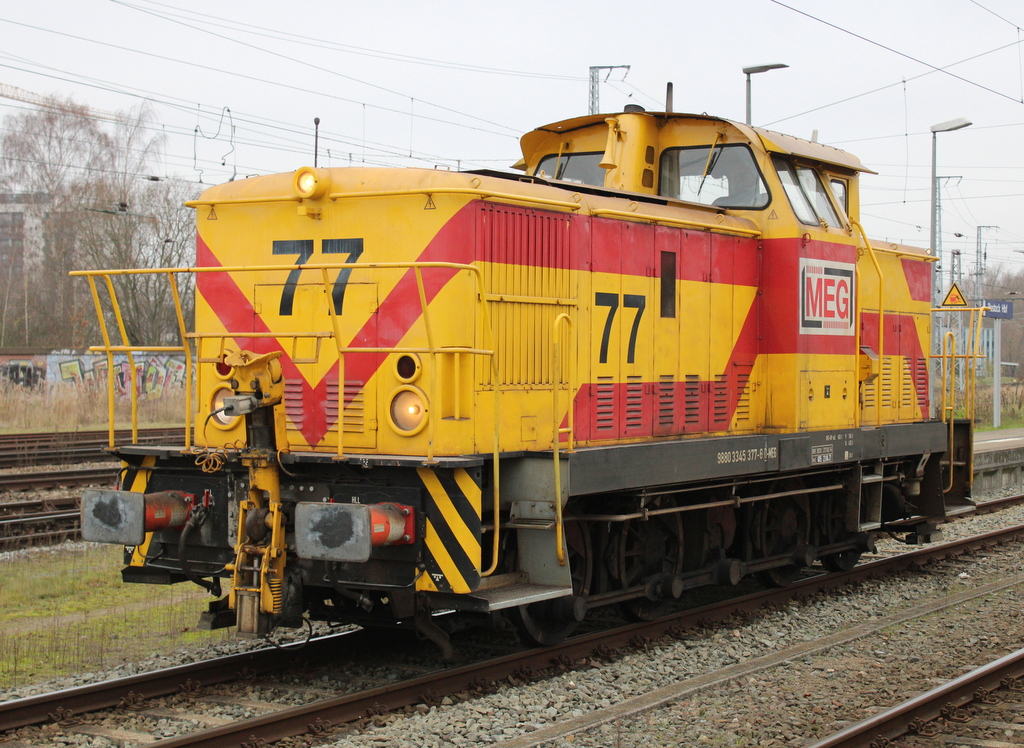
{"type": "Point", "coordinates": [521, 593]}
{"type": "Point", "coordinates": [527, 523]}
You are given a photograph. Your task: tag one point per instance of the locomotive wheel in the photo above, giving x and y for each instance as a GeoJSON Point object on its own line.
{"type": "Point", "coordinates": [833, 530]}
{"type": "Point", "coordinates": [643, 549]}
{"type": "Point", "coordinates": [546, 623]}
{"type": "Point", "coordinates": [781, 526]}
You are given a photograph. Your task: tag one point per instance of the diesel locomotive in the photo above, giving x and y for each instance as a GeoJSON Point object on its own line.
{"type": "Point", "coordinates": [663, 354]}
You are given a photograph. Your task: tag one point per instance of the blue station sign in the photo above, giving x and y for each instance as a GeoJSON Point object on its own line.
{"type": "Point", "coordinates": [999, 309]}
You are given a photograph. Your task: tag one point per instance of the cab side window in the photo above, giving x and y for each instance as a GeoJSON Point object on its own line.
{"type": "Point", "coordinates": [807, 194]}
{"type": "Point", "coordinates": [579, 168]}
{"type": "Point", "coordinates": [840, 190]}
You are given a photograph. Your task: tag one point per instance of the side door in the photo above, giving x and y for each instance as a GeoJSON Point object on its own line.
{"type": "Point", "coordinates": [622, 390]}
{"type": "Point", "coordinates": [696, 334]}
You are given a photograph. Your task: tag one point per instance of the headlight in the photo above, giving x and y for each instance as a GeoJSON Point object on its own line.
{"type": "Point", "coordinates": [220, 420]}
{"type": "Point", "coordinates": [408, 411]}
{"type": "Point", "coordinates": [310, 183]}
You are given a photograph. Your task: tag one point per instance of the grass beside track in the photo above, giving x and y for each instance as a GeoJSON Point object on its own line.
{"type": "Point", "coordinates": [60, 408]}
{"type": "Point", "coordinates": [66, 611]}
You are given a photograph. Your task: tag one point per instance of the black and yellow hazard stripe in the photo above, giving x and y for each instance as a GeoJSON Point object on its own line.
{"type": "Point", "coordinates": [452, 539]}
{"type": "Point", "coordinates": [136, 478]}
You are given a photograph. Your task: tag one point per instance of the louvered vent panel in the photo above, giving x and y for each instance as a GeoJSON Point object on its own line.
{"type": "Point", "coordinates": [604, 406]}
{"type": "Point", "coordinates": [743, 403]}
{"type": "Point", "coordinates": [634, 403]}
{"type": "Point", "coordinates": [666, 401]}
{"type": "Point", "coordinates": [355, 411]}
{"type": "Point", "coordinates": [921, 378]}
{"type": "Point", "coordinates": [906, 386]}
{"type": "Point", "coordinates": [528, 263]}
{"type": "Point", "coordinates": [869, 389]}
{"type": "Point", "coordinates": [692, 395]}
{"type": "Point", "coordinates": [886, 377]}
{"type": "Point", "coordinates": [293, 407]}
{"type": "Point", "coordinates": [720, 398]}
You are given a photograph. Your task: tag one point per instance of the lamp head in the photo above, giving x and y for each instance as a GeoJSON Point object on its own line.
{"type": "Point", "coordinates": [763, 68]}
{"type": "Point", "coordinates": [954, 124]}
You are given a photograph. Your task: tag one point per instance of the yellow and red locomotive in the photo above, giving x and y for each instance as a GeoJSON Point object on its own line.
{"type": "Point", "coordinates": [665, 356]}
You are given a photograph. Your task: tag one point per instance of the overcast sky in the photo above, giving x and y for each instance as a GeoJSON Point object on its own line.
{"type": "Point", "coordinates": [454, 84]}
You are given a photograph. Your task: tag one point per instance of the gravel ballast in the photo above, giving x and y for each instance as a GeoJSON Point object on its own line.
{"type": "Point", "coordinates": [785, 706]}
{"type": "Point", "coordinates": [790, 705]}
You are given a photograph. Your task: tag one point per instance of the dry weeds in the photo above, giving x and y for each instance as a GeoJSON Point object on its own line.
{"type": "Point", "coordinates": [68, 408]}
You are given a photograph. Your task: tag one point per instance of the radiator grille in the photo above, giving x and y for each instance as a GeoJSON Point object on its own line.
{"type": "Point", "coordinates": [527, 280]}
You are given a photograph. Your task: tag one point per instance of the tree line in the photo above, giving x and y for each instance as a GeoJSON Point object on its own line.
{"type": "Point", "coordinates": [89, 199]}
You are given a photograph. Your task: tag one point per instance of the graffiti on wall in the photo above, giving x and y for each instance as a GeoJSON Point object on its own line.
{"type": "Point", "coordinates": [153, 372]}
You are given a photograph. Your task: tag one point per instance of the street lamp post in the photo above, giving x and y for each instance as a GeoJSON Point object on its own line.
{"type": "Point", "coordinates": [953, 124]}
{"type": "Point", "coordinates": [758, 69]}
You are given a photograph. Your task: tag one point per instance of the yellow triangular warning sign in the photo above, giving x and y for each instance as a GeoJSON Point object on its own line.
{"type": "Point", "coordinates": [213, 215]}
{"type": "Point", "coordinates": [954, 297]}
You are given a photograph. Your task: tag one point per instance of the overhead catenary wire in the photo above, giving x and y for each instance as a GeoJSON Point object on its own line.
{"type": "Point", "coordinates": [1018, 44]}
{"type": "Point", "coordinates": [305, 63]}
{"type": "Point", "coordinates": [308, 41]}
{"type": "Point", "coordinates": [244, 76]}
{"type": "Point", "coordinates": [935, 68]}
{"type": "Point", "coordinates": [297, 146]}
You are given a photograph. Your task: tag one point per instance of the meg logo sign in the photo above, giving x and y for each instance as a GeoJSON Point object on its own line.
{"type": "Point", "coordinates": [827, 297]}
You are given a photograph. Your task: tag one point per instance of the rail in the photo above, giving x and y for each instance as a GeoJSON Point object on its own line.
{"type": "Point", "coordinates": [130, 349]}
{"type": "Point", "coordinates": [557, 430]}
{"type": "Point", "coordinates": [676, 222]}
{"type": "Point", "coordinates": [897, 721]}
{"type": "Point", "coordinates": [881, 319]}
{"type": "Point", "coordinates": [434, 348]}
{"type": "Point", "coordinates": [949, 357]}
{"type": "Point", "coordinates": [473, 191]}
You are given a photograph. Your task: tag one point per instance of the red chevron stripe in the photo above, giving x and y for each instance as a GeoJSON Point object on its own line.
{"type": "Point", "coordinates": [393, 319]}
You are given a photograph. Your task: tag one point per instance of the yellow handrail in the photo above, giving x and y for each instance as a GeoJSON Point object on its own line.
{"type": "Point", "coordinates": [432, 348]}
{"type": "Point", "coordinates": [949, 357]}
{"type": "Point", "coordinates": [426, 191]}
{"type": "Point", "coordinates": [557, 430]}
{"type": "Point", "coordinates": [881, 321]}
{"type": "Point", "coordinates": [679, 222]}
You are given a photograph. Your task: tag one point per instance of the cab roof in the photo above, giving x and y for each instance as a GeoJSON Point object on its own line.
{"type": "Point", "coordinates": [774, 142]}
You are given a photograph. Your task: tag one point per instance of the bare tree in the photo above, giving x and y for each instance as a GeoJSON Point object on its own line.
{"type": "Point", "coordinates": [141, 224]}
{"type": "Point", "coordinates": [58, 151]}
{"type": "Point", "coordinates": [104, 210]}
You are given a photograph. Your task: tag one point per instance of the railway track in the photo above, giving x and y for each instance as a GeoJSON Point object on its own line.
{"type": "Point", "coordinates": [25, 450]}
{"type": "Point", "coordinates": [38, 521]}
{"type": "Point", "coordinates": [965, 711]}
{"type": "Point", "coordinates": [274, 722]}
{"type": "Point", "coordinates": [47, 520]}
{"type": "Point", "coordinates": [57, 478]}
